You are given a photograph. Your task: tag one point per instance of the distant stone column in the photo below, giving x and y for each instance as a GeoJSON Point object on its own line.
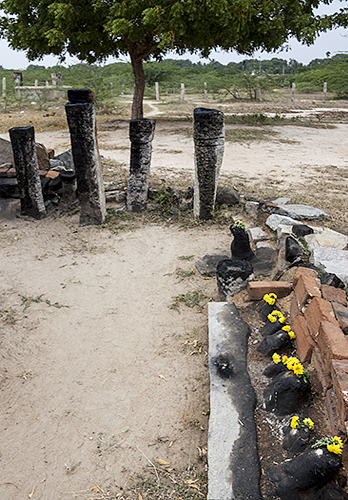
{"type": "Point", "coordinates": [209, 139]}
{"type": "Point", "coordinates": [4, 87]}
{"type": "Point", "coordinates": [157, 91]}
{"type": "Point", "coordinates": [36, 83]}
{"type": "Point", "coordinates": [27, 171]}
{"type": "Point", "coordinates": [182, 93]}
{"type": "Point", "coordinates": [205, 91]}
{"type": "Point", "coordinates": [293, 89]}
{"type": "Point", "coordinates": [324, 92]}
{"type": "Point", "coordinates": [81, 120]}
{"type": "Point", "coordinates": [258, 91]}
{"type": "Point", "coordinates": [141, 132]}
{"type": "Point", "coordinates": [47, 84]}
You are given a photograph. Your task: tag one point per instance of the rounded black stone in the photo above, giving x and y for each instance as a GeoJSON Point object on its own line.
{"type": "Point", "coordinates": [67, 175]}
{"type": "Point", "coordinates": [285, 393]}
{"type": "Point", "coordinates": [295, 440]}
{"type": "Point", "coordinates": [234, 268]}
{"type": "Point", "coordinates": [240, 246]}
{"type": "Point", "coordinates": [274, 343]}
{"type": "Point", "coordinates": [292, 249]}
{"type": "Point", "coordinates": [301, 230]}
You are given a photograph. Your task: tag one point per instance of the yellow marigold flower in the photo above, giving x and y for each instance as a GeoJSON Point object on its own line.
{"type": "Point", "coordinates": [309, 423]}
{"type": "Point", "coordinates": [271, 318]}
{"type": "Point", "coordinates": [338, 440]}
{"type": "Point", "coordinates": [270, 298]}
{"type": "Point", "coordinates": [285, 359]}
{"type": "Point", "coordinates": [334, 448]}
{"type": "Point", "coordinates": [298, 369]}
{"type": "Point", "coordinates": [286, 328]}
{"type": "Point", "coordinates": [292, 335]}
{"type": "Point", "coordinates": [295, 422]}
{"type": "Point", "coordinates": [291, 362]}
{"type": "Point", "coordinates": [276, 358]}
{"type": "Point", "coordinates": [281, 319]}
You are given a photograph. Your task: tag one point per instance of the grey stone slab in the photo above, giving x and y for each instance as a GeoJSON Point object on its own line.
{"type": "Point", "coordinates": [281, 201]}
{"type": "Point", "coordinates": [303, 211]}
{"type": "Point", "coordinates": [325, 237]}
{"type": "Point", "coordinates": [257, 234]}
{"type": "Point", "coordinates": [208, 264]}
{"type": "Point", "coordinates": [265, 260]}
{"type": "Point", "coordinates": [251, 208]}
{"type": "Point", "coordinates": [233, 462]}
{"type": "Point", "coordinates": [274, 220]}
{"type": "Point", "coordinates": [331, 260]}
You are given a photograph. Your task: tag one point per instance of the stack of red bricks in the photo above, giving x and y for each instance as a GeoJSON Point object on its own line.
{"type": "Point", "coordinates": [319, 318]}
{"type": "Point", "coordinates": [9, 171]}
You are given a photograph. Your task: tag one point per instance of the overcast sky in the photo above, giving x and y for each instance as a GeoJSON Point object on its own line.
{"type": "Point", "coordinates": [334, 42]}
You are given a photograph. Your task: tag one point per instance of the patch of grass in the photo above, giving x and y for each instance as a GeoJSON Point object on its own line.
{"type": "Point", "coordinates": [27, 301]}
{"type": "Point", "coordinates": [185, 257]}
{"type": "Point", "coordinates": [181, 273]}
{"type": "Point", "coordinates": [190, 299]}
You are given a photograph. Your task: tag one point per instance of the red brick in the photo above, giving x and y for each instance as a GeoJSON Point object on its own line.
{"type": "Point", "coordinates": [294, 309]}
{"type": "Point", "coordinates": [332, 343]}
{"type": "Point", "coordinates": [340, 383]}
{"type": "Point", "coordinates": [306, 289]}
{"type": "Point", "coordinates": [50, 153]}
{"type": "Point", "coordinates": [304, 342]}
{"type": "Point", "coordinates": [3, 171]}
{"type": "Point", "coordinates": [320, 380]}
{"type": "Point", "coordinates": [304, 271]}
{"type": "Point", "coordinates": [334, 294]}
{"type": "Point", "coordinates": [257, 289]}
{"type": "Point", "coordinates": [42, 173]}
{"type": "Point", "coordinates": [51, 174]}
{"type": "Point", "coordinates": [319, 310]}
{"type": "Point", "coordinates": [11, 172]}
{"type": "Point", "coordinates": [341, 314]}
{"type": "Point", "coordinates": [337, 428]}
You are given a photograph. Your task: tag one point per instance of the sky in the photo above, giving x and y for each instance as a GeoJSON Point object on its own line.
{"type": "Point", "coordinates": [335, 42]}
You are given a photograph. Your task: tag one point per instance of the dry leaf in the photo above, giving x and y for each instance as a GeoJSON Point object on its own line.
{"type": "Point", "coordinates": [170, 444]}
{"type": "Point", "coordinates": [193, 352]}
{"type": "Point", "coordinates": [140, 497]}
{"type": "Point", "coordinates": [95, 488]}
{"type": "Point", "coordinates": [200, 349]}
{"type": "Point", "coordinates": [163, 378]}
{"type": "Point", "coordinates": [191, 481]}
{"type": "Point", "coordinates": [255, 342]}
{"type": "Point", "coordinates": [160, 461]}
{"type": "Point", "coordinates": [32, 492]}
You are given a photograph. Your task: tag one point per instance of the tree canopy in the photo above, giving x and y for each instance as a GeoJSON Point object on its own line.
{"type": "Point", "coordinates": [92, 30]}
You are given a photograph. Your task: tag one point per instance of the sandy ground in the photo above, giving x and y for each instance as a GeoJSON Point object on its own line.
{"type": "Point", "coordinates": [98, 375]}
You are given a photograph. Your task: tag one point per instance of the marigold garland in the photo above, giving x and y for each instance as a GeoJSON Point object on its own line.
{"type": "Point", "coordinates": [270, 298]}
{"type": "Point", "coordinates": [292, 364]}
{"type": "Point", "coordinates": [333, 444]}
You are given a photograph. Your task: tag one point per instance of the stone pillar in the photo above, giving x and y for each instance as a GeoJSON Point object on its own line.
{"type": "Point", "coordinates": [4, 87]}
{"type": "Point", "coordinates": [293, 91]}
{"type": "Point", "coordinates": [27, 171]}
{"type": "Point", "coordinates": [258, 91]}
{"type": "Point", "coordinates": [36, 83]}
{"type": "Point", "coordinates": [157, 91]}
{"type": "Point", "coordinates": [81, 120]}
{"type": "Point", "coordinates": [47, 84]}
{"type": "Point", "coordinates": [18, 78]}
{"type": "Point", "coordinates": [324, 92]}
{"type": "Point", "coordinates": [54, 80]}
{"type": "Point", "coordinates": [69, 186]}
{"type": "Point", "coordinates": [205, 91]}
{"type": "Point", "coordinates": [209, 138]}
{"type": "Point", "coordinates": [141, 132]}
{"type": "Point", "coordinates": [182, 93]}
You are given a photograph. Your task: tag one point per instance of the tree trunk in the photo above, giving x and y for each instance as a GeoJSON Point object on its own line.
{"type": "Point", "coordinates": [139, 87]}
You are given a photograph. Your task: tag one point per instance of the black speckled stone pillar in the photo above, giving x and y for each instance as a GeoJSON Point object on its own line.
{"type": "Point", "coordinates": [141, 132]}
{"type": "Point", "coordinates": [81, 120]}
{"type": "Point", "coordinates": [209, 139]}
{"type": "Point", "coordinates": [27, 171]}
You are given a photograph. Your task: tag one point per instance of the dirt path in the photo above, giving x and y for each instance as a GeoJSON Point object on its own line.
{"type": "Point", "coordinates": [95, 373]}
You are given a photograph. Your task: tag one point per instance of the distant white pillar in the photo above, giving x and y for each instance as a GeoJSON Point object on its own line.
{"type": "Point", "coordinates": [205, 91]}
{"type": "Point", "coordinates": [182, 93]}
{"type": "Point", "coordinates": [54, 81]}
{"type": "Point", "coordinates": [47, 84]}
{"type": "Point", "coordinates": [4, 87]}
{"type": "Point", "coordinates": [157, 91]}
{"type": "Point", "coordinates": [36, 84]}
{"type": "Point", "coordinates": [234, 91]}
{"type": "Point", "coordinates": [324, 91]}
{"type": "Point", "coordinates": [293, 91]}
{"type": "Point", "coordinates": [258, 90]}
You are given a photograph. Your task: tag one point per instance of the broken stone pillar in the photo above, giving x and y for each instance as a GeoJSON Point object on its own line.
{"type": "Point", "coordinates": [4, 87]}
{"type": "Point", "coordinates": [209, 138]}
{"type": "Point", "coordinates": [81, 120]}
{"type": "Point", "coordinates": [293, 89]}
{"type": "Point", "coordinates": [157, 91]}
{"type": "Point", "coordinates": [324, 92]}
{"type": "Point", "coordinates": [69, 186]}
{"type": "Point", "coordinates": [27, 171]}
{"type": "Point", "coordinates": [141, 132]}
{"type": "Point", "coordinates": [182, 93]}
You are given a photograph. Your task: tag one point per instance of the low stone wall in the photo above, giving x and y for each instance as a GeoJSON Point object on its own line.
{"type": "Point", "coordinates": [319, 317]}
